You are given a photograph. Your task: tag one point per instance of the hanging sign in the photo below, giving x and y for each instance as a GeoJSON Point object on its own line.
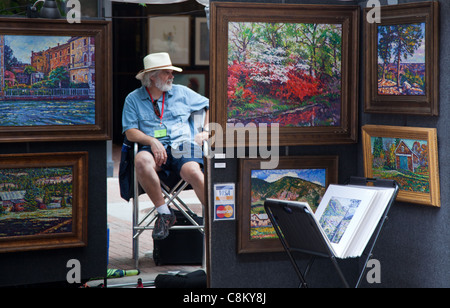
{"type": "Point", "coordinates": [224, 201]}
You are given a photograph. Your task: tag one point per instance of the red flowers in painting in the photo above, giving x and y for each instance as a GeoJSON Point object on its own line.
{"type": "Point", "coordinates": [243, 89]}
{"type": "Point", "coordinates": [297, 87]}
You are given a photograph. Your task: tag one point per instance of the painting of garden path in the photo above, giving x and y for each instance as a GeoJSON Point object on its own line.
{"type": "Point", "coordinates": [286, 73]}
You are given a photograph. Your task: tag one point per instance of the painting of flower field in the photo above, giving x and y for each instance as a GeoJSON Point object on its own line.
{"type": "Point", "coordinates": [286, 73]}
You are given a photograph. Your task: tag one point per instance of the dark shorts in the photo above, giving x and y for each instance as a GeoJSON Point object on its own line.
{"type": "Point", "coordinates": [176, 158]}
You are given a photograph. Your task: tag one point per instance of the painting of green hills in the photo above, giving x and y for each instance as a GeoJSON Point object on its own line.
{"type": "Point", "coordinates": [303, 185]}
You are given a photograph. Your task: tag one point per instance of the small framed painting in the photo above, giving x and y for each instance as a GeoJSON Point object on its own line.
{"type": "Point", "coordinates": [297, 178]}
{"type": "Point", "coordinates": [402, 60]}
{"type": "Point", "coordinates": [171, 35]}
{"type": "Point", "coordinates": [408, 155]}
{"type": "Point", "coordinates": [43, 201]}
{"type": "Point", "coordinates": [201, 41]}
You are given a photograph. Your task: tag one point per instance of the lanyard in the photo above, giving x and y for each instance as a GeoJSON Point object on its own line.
{"type": "Point", "coordinates": [162, 109]}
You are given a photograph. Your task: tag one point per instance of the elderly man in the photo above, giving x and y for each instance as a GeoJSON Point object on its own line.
{"type": "Point", "coordinates": [156, 116]}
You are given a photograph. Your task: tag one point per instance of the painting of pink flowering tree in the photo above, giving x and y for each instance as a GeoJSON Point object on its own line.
{"type": "Point", "coordinates": [286, 73]}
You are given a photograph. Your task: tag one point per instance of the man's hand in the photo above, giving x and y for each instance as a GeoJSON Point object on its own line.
{"type": "Point", "coordinates": [201, 137]}
{"type": "Point", "coordinates": [159, 152]}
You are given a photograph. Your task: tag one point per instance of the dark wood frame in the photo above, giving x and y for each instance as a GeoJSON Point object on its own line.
{"type": "Point", "coordinates": [427, 104]}
{"type": "Point", "coordinates": [348, 16]}
{"type": "Point", "coordinates": [245, 244]}
{"type": "Point", "coordinates": [415, 133]}
{"type": "Point", "coordinates": [200, 42]}
{"type": "Point", "coordinates": [101, 31]}
{"type": "Point", "coordinates": [78, 237]}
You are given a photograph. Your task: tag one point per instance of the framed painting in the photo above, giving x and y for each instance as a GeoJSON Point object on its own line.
{"type": "Point", "coordinates": [297, 178]}
{"type": "Point", "coordinates": [171, 35]}
{"type": "Point", "coordinates": [55, 80]}
{"type": "Point", "coordinates": [195, 80]}
{"type": "Point", "coordinates": [402, 60]}
{"type": "Point", "coordinates": [201, 41]}
{"type": "Point", "coordinates": [286, 65]}
{"type": "Point", "coordinates": [408, 155]}
{"type": "Point", "coordinates": [43, 201]}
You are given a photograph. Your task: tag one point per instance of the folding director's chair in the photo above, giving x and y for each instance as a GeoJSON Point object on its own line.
{"type": "Point", "coordinates": [171, 188]}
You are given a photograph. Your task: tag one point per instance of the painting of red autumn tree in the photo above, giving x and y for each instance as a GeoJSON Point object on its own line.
{"type": "Point", "coordinates": [286, 73]}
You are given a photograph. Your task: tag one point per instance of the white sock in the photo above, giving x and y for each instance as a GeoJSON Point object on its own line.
{"type": "Point", "coordinates": [163, 209]}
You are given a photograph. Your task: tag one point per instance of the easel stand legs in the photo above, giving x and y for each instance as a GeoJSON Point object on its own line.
{"type": "Point", "coordinates": [302, 276]}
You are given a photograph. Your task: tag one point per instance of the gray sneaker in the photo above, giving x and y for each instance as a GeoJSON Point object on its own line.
{"type": "Point", "coordinates": [162, 225]}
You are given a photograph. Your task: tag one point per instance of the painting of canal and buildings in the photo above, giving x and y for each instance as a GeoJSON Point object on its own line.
{"type": "Point", "coordinates": [303, 185]}
{"type": "Point", "coordinates": [35, 201]}
{"type": "Point", "coordinates": [47, 80]}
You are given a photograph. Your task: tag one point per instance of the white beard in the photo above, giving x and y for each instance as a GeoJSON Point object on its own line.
{"type": "Point", "coordinates": [164, 87]}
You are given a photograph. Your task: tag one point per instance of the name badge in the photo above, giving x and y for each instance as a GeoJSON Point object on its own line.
{"type": "Point", "coordinates": [160, 133]}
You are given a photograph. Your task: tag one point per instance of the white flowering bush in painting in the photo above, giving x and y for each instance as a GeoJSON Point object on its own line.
{"type": "Point", "coordinates": [284, 73]}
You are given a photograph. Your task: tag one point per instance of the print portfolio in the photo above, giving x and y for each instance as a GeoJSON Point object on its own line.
{"type": "Point", "coordinates": [346, 218]}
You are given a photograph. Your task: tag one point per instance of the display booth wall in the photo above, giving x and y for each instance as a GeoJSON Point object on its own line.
{"type": "Point", "coordinates": [413, 248]}
{"type": "Point", "coordinates": [50, 267]}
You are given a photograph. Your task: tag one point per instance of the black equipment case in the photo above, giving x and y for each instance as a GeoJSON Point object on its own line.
{"type": "Point", "coordinates": [181, 246]}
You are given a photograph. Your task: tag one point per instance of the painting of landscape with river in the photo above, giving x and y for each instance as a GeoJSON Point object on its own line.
{"type": "Point", "coordinates": [47, 80]}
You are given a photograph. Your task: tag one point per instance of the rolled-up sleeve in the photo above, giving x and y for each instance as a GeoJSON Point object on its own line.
{"type": "Point", "coordinates": [129, 114]}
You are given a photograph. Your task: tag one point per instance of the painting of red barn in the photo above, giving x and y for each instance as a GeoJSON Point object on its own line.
{"type": "Point", "coordinates": [406, 155]}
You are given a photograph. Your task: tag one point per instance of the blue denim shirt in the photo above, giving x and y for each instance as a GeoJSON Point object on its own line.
{"type": "Point", "coordinates": [180, 102]}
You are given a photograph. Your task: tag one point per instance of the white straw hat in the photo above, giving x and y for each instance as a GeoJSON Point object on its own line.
{"type": "Point", "coordinates": [157, 61]}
